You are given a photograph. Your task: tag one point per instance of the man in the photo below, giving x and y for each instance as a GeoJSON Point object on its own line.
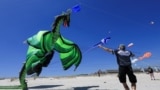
{"type": "Point", "coordinates": [123, 60]}
{"type": "Point", "coordinates": [151, 72]}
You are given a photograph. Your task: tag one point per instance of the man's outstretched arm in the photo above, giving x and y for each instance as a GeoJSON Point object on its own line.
{"type": "Point", "coordinates": [106, 49]}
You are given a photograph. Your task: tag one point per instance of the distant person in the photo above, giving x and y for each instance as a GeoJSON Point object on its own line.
{"type": "Point", "coordinates": [99, 73]}
{"type": "Point", "coordinates": [123, 60]}
{"type": "Point", "coordinates": [151, 72]}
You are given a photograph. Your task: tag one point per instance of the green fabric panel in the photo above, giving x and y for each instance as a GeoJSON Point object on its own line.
{"type": "Point", "coordinates": [34, 51]}
{"type": "Point", "coordinates": [79, 56]}
{"type": "Point", "coordinates": [66, 40]}
{"type": "Point", "coordinates": [62, 46]}
{"type": "Point", "coordinates": [36, 40]}
{"type": "Point", "coordinates": [69, 53]}
{"type": "Point", "coordinates": [71, 62]}
{"type": "Point", "coordinates": [48, 43]}
{"type": "Point", "coordinates": [67, 57]}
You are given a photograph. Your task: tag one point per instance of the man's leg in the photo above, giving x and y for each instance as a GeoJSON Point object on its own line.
{"type": "Point", "coordinates": [152, 76]}
{"type": "Point", "coordinates": [132, 78]}
{"type": "Point", "coordinates": [125, 86]}
{"type": "Point", "coordinates": [133, 86]}
{"type": "Point", "coordinates": [122, 77]}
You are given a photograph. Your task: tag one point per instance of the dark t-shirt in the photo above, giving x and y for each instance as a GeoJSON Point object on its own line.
{"type": "Point", "coordinates": [123, 57]}
{"type": "Point", "coordinates": [150, 70]}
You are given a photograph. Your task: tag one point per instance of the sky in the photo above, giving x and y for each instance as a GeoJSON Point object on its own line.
{"type": "Point", "coordinates": [125, 21]}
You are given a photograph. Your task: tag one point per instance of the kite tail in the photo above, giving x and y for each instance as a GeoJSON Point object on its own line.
{"type": "Point", "coordinates": [23, 85]}
{"type": "Point", "coordinates": [22, 76]}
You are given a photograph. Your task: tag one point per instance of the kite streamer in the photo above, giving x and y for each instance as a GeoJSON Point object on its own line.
{"type": "Point", "coordinates": [145, 55]}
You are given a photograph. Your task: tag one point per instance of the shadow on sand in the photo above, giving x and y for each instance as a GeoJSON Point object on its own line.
{"type": "Point", "coordinates": [84, 88]}
{"type": "Point", "coordinates": [156, 79]}
{"type": "Point", "coordinates": [44, 86]}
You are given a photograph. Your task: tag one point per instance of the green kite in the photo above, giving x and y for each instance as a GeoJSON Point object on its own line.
{"type": "Point", "coordinates": [42, 47]}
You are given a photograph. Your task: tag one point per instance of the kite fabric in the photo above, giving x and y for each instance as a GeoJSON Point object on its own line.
{"type": "Point", "coordinates": [130, 45]}
{"type": "Point", "coordinates": [76, 8]}
{"type": "Point", "coordinates": [103, 41]}
{"type": "Point", "coordinates": [42, 47]}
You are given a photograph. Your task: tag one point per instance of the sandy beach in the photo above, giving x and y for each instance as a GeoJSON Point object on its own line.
{"type": "Point", "coordinates": [86, 82]}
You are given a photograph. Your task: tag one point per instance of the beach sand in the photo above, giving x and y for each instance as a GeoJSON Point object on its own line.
{"type": "Point", "coordinates": [86, 82]}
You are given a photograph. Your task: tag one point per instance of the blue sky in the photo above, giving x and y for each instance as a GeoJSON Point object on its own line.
{"type": "Point", "coordinates": [126, 20]}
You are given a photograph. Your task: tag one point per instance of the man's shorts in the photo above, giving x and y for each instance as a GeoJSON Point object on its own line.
{"type": "Point", "coordinates": [126, 70]}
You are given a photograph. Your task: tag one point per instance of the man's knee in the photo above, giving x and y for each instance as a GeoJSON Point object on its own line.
{"type": "Point", "coordinates": [133, 84]}
{"type": "Point", "coordinates": [122, 78]}
{"type": "Point", "coordinates": [133, 79]}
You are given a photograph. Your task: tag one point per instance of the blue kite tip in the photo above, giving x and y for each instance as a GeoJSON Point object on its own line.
{"type": "Point", "coordinates": [76, 8]}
